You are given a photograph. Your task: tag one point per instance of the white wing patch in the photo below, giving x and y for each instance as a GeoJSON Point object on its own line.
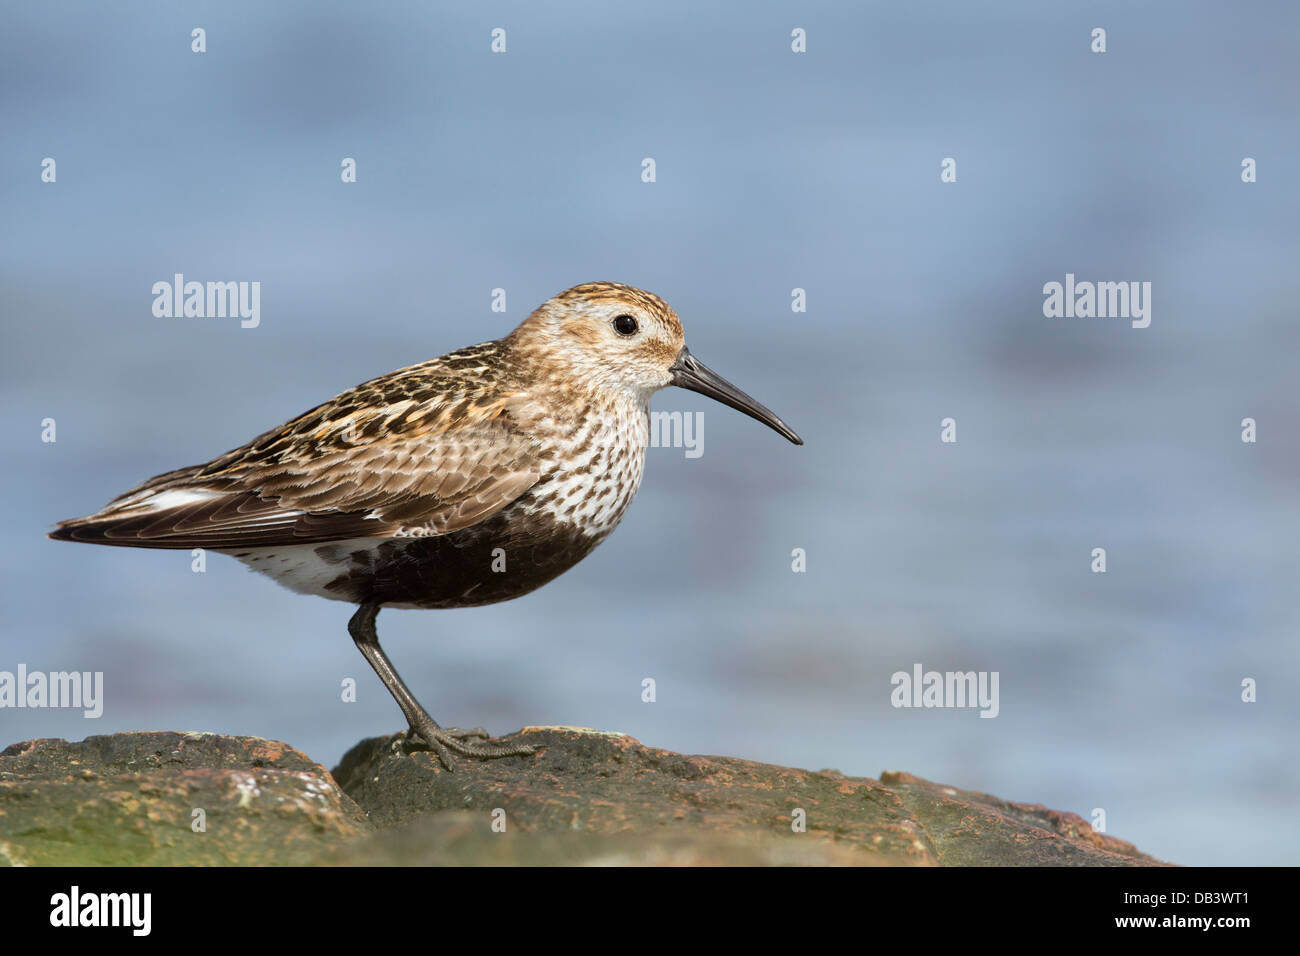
{"type": "Point", "coordinates": [163, 500]}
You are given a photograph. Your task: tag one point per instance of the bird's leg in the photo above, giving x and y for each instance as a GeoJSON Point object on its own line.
{"type": "Point", "coordinates": [441, 740]}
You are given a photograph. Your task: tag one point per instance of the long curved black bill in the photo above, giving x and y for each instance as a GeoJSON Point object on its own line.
{"type": "Point", "coordinates": [690, 372]}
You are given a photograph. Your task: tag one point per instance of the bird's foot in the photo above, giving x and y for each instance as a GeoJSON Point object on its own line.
{"type": "Point", "coordinates": [444, 740]}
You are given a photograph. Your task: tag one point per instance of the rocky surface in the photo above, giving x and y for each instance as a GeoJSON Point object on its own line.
{"type": "Point", "coordinates": [130, 799]}
{"type": "Point", "coordinates": [586, 797]}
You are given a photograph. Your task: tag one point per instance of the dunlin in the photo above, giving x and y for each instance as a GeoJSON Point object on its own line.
{"type": "Point", "coordinates": [466, 480]}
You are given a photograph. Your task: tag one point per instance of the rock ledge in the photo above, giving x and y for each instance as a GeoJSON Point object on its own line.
{"type": "Point", "coordinates": [590, 797]}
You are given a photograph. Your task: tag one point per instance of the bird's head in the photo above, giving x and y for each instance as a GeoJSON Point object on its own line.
{"type": "Point", "coordinates": [606, 335]}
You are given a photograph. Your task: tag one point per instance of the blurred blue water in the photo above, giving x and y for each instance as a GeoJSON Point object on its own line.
{"type": "Point", "coordinates": [775, 171]}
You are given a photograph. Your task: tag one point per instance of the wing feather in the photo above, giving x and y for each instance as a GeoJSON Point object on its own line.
{"type": "Point", "coordinates": [374, 462]}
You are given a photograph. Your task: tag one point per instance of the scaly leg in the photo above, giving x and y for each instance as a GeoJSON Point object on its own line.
{"type": "Point", "coordinates": [441, 740]}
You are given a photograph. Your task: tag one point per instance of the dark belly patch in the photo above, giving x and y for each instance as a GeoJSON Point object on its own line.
{"type": "Point", "coordinates": [499, 559]}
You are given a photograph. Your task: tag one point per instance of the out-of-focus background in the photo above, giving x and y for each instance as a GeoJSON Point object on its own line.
{"type": "Point", "coordinates": [775, 170]}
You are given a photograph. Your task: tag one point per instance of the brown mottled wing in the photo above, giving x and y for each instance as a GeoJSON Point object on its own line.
{"type": "Point", "coordinates": [403, 455]}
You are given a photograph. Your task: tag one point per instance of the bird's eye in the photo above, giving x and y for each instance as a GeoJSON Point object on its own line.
{"type": "Point", "coordinates": [625, 325]}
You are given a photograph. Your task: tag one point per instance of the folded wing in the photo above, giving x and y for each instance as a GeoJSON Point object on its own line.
{"type": "Point", "coordinates": [420, 461]}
